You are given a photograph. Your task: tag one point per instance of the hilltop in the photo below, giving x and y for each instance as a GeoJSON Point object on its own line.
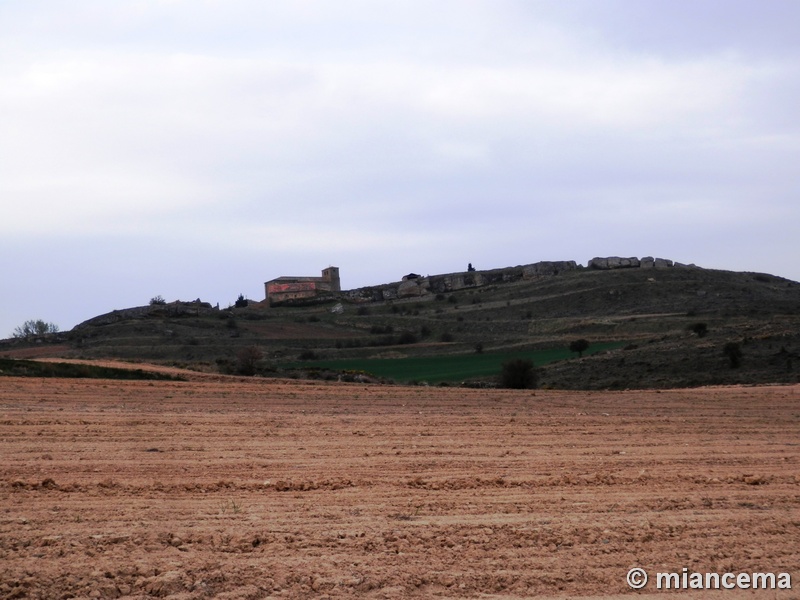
{"type": "Point", "coordinates": [659, 325]}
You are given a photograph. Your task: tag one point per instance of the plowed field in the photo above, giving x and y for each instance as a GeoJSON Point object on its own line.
{"type": "Point", "coordinates": [261, 489]}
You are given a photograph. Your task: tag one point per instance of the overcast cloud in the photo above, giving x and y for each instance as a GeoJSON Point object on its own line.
{"type": "Point", "coordinates": [199, 148]}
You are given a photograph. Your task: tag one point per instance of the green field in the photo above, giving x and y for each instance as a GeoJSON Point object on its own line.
{"type": "Point", "coordinates": [450, 368]}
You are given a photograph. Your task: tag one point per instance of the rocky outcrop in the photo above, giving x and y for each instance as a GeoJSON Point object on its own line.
{"type": "Point", "coordinates": [443, 284]}
{"type": "Point", "coordinates": [616, 262]}
{"type": "Point", "coordinates": [418, 286]}
{"type": "Point", "coordinates": [411, 288]}
{"type": "Point", "coordinates": [546, 268]}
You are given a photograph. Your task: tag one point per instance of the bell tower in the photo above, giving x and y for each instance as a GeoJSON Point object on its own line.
{"type": "Point", "coordinates": [331, 275]}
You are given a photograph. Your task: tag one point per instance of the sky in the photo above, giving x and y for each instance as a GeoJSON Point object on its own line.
{"type": "Point", "coordinates": [196, 149]}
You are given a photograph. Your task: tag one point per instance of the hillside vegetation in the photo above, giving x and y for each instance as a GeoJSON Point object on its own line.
{"type": "Point", "coordinates": [645, 324]}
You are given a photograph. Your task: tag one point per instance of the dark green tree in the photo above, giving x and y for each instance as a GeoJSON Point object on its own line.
{"type": "Point", "coordinates": [518, 374]}
{"type": "Point", "coordinates": [734, 353]}
{"type": "Point", "coordinates": [580, 346]}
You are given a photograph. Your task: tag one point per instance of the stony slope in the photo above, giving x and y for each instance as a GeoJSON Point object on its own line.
{"type": "Point", "coordinates": [650, 310]}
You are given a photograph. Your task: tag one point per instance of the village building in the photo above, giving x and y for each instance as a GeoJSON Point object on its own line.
{"type": "Point", "coordinates": [294, 288]}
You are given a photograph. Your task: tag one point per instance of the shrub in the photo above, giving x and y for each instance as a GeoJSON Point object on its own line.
{"type": "Point", "coordinates": [446, 337]}
{"type": "Point", "coordinates": [363, 311]}
{"type": "Point", "coordinates": [479, 348]}
{"type": "Point", "coordinates": [308, 355]}
{"type": "Point", "coordinates": [579, 346]}
{"type": "Point", "coordinates": [157, 301]}
{"type": "Point", "coordinates": [407, 337]}
{"type": "Point", "coordinates": [701, 329]}
{"type": "Point", "coordinates": [247, 359]}
{"type": "Point", "coordinates": [734, 353]}
{"type": "Point", "coordinates": [241, 301]}
{"type": "Point", "coordinates": [518, 374]}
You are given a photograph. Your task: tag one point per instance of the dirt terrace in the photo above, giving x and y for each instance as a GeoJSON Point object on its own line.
{"type": "Point", "coordinates": [259, 489]}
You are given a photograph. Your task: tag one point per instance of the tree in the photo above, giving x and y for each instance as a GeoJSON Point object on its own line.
{"type": "Point", "coordinates": [34, 328]}
{"type": "Point", "coordinates": [241, 301]}
{"type": "Point", "coordinates": [579, 346]}
{"type": "Point", "coordinates": [470, 268]}
{"type": "Point", "coordinates": [518, 374]}
{"type": "Point", "coordinates": [734, 353]}
{"type": "Point", "coordinates": [247, 360]}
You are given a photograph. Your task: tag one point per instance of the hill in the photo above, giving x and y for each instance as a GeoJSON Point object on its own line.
{"type": "Point", "coordinates": [654, 327]}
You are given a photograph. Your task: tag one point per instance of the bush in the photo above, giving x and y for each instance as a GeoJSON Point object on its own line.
{"type": "Point", "coordinates": [157, 301]}
{"type": "Point", "coordinates": [241, 301]}
{"type": "Point", "coordinates": [308, 355]}
{"type": "Point", "coordinates": [247, 359]}
{"type": "Point", "coordinates": [734, 353]}
{"type": "Point", "coordinates": [701, 329]}
{"type": "Point", "coordinates": [579, 346]}
{"type": "Point", "coordinates": [518, 374]}
{"type": "Point", "coordinates": [407, 338]}
{"type": "Point", "coordinates": [446, 337]}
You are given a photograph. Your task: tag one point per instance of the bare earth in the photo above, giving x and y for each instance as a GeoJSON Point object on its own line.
{"type": "Point", "coordinates": [259, 489]}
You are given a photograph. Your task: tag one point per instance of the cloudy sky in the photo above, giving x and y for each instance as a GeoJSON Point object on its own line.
{"type": "Point", "coordinates": [197, 148]}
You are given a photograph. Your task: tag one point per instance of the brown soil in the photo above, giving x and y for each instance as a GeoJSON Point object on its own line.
{"type": "Point", "coordinates": [46, 351]}
{"type": "Point", "coordinates": [260, 489]}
